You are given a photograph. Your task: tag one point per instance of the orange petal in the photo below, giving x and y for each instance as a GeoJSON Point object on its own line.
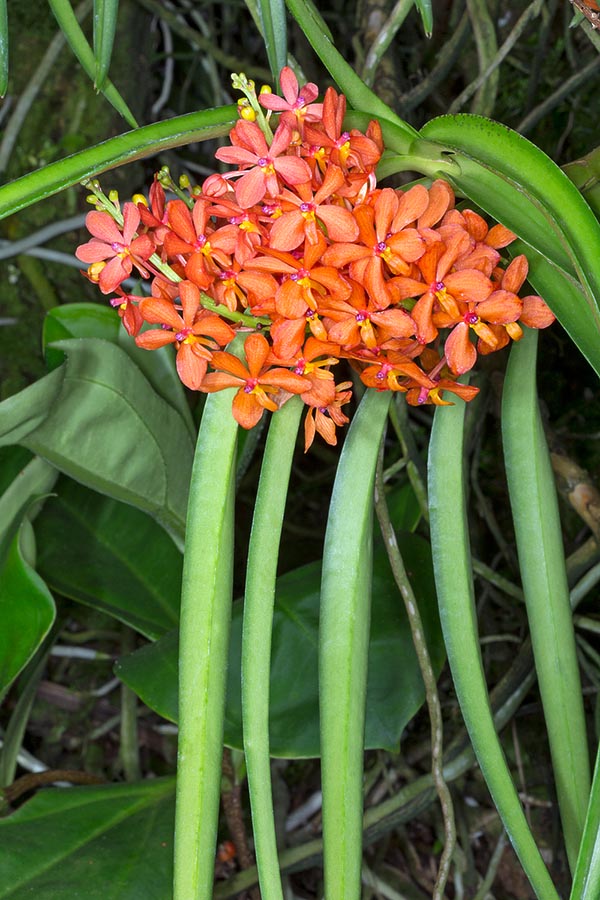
{"type": "Point", "coordinates": [257, 350]}
{"type": "Point", "coordinates": [190, 301]}
{"type": "Point", "coordinates": [160, 312]}
{"type": "Point", "coordinates": [412, 205]}
{"type": "Point", "coordinates": [340, 223]}
{"type": "Point", "coordinates": [246, 409]}
{"type": "Point", "coordinates": [283, 378]}
{"type": "Point", "coordinates": [515, 274]}
{"type": "Point", "coordinates": [441, 198]}
{"type": "Point", "coordinates": [191, 368]}
{"type": "Point", "coordinates": [460, 352]}
{"type": "Point", "coordinates": [536, 314]}
{"type": "Point", "coordinates": [180, 220]}
{"type": "Point", "coordinates": [500, 307]}
{"type": "Point", "coordinates": [469, 285]}
{"type": "Point", "coordinates": [287, 232]}
{"type": "Point", "coordinates": [154, 338]}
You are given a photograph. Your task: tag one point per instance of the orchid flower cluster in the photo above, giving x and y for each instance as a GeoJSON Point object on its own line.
{"type": "Point", "coordinates": [300, 248]}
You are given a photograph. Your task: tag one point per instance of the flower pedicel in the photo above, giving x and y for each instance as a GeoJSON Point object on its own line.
{"type": "Point", "coordinates": [299, 247]}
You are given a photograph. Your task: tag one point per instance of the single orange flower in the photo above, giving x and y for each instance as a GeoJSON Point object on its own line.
{"type": "Point", "coordinates": [258, 383]}
{"type": "Point", "coordinates": [196, 333]}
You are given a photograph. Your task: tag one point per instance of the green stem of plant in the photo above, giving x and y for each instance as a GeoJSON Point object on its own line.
{"type": "Point", "coordinates": [433, 701]}
{"type": "Point", "coordinates": [454, 584]}
{"type": "Point", "coordinates": [542, 563]}
{"type": "Point", "coordinates": [263, 555]}
{"type": "Point", "coordinates": [203, 648]}
{"type": "Point", "coordinates": [343, 647]}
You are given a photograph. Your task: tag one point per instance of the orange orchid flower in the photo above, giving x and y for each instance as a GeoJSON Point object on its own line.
{"type": "Point", "coordinates": [193, 236]}
{"type": "Point", "coordinates": [258, 384]}
{"type": "Point", "coordinates": [120, 248]}
{"type": "Point", "coordinates": [299, 223]}
{"type": "Point", "coordinates": [196, 333]}
{"type": "Point", "coordinates": [264, 164]}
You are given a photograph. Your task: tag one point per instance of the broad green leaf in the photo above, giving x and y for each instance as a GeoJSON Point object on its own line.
{"type": "Point", "coordinates": [105, 24]}
{"type": "Point", "coordinates": [90, 320]}
{"type": "Point", "coordinates": [536, 182]}
{"type": "Point", "coordinates": [35, 480]}
{"type": "Point", "coordinates": [138, 144]}
{"type": "Point", "coordinates": [98, 420]}
{"type": "Point", "coordinates": [358, 94]}
{"type": "Point", "coordinates": [22, 413]}
{"type": "Point", "coordinates": [70, 27]}
{"type": "Point", "coordinates": [27, 612]}
{"type": "Point", "coordinates": [109, 556]}
{"type": "Point", "coordinates": [395, 689]}
{"type": "Point", "coordinates": [105, 842]}
{"type": "Point", "coordinates": [77, 320]}
{"type": "Point", "coordinates": [12, 461]}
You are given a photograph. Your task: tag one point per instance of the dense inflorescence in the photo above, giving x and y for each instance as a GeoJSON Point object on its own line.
{"type": "Point", "coordinates": [299, 248]}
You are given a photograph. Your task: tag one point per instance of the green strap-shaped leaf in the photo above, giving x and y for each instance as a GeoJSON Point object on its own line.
{"type": "Point", "coordinates": [263, 555]}
{"type": "Point", "coordinates": [63, 12]}
{"type": "Point", "coordinates": [203, 648]}
{"type": "Point", "coordinates": [544, 578]}
{"type": "Point", "coordinates": [343, 647]}
{"type": "Point", "coordinates": [105, 24]}
{"type": "Point", "coordinates": [3, 48]}
{"type": "Point", "coordinates": [359, 95]}
{"type": "Point", "coordinates": [138, 144]}
{"type": "Point", "coordinates": [454, 582]}
{"type": "Point", "coordinates": [586, 880]}
{"type": "Point", "coordinates": [426, 13]}
{"type": "Point", "coordinates": [272, 15]}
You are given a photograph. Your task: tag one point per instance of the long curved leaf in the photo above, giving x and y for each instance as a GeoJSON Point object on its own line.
{"type": "Point", "coordinates": [586, 879]}
{"type": "Point", "coordinates": [541, 560]}
{"type": "Point", "coordinates": [70, 27]}
{"type": "Point", "coordinates": [105, 25]}
{"type": "Point", "coordinates": [3, 48]}
{"type": "Point", "coordinates": [138, 144]}
{"type": "Point", "coordinates": [358, 94]}
{"type": "Point", "coordinates": [343, 646]}
{"type": "Point", "coordinates": [204, 637]}
{"type": "Point", "coordinates": [454, 582]}
{"type": "Point", "coordinates": [272, 15]}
